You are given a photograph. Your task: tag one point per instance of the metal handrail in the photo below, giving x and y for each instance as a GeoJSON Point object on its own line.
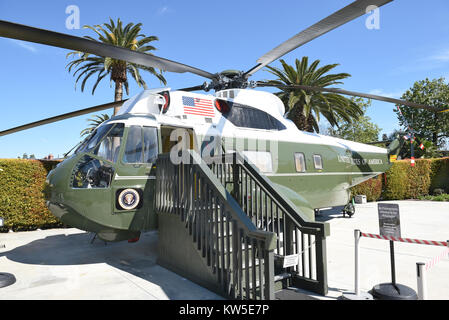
{"type": "Point", "coordinates": [222, 231]}
{"type": "Point", "coordinates": [291, 228]}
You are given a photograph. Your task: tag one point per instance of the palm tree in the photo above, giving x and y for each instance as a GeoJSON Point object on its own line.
{"type": "Point", "coordinates": [115, 34]}
{"type": "Point", "coordinates": [95, 121]}
{"type": "Point", "coordinates": [305, 107]}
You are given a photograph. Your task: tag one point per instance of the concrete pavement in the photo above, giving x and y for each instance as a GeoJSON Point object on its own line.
{"type": "Point", "coordinates": [63, 264]}
{"type": "Point", "coordinates": [424, 220]}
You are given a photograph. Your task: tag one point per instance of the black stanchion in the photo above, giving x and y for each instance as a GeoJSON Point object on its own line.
{"type": "Point", "coordinates": [393, 290]}
{"type": "Point", "coordinates": [6, 279]}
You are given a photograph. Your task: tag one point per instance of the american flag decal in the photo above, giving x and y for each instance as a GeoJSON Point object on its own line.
{"type": "Point", "coordinates": [197, 106]}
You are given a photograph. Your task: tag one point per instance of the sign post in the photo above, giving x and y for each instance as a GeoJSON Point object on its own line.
{"type": "Point", "coordinates": [390, 226]}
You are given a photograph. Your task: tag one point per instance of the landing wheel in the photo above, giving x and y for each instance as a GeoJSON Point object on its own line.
{"type": "Point", "coordinates": [349, 210]}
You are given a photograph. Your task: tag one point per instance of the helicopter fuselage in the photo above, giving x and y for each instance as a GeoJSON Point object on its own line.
{"type": "Point", "coordinates": [107, 185]}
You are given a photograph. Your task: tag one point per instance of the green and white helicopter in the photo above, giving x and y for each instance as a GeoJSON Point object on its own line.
{"type": "Point", "coordinates": [106, 185]}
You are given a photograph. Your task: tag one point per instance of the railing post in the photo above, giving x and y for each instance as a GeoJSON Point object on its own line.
{"type": "Point", "coordinates": [235, 178]}
{"type": "Point", "coordinates": [269, 274]}
{"type": "Point", "coordinates": [288, 245]}
{"type": "Point", "coordinates": [321, 264]}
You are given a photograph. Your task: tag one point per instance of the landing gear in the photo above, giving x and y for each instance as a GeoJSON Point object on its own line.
{"type": "Point", "coordinates": [349, 210]}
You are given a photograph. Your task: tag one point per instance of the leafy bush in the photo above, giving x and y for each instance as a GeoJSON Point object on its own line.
{"type": "Point", "coordinates": [441, 197]}
{"type": "Point", "coordinates": [440, 174]}
{"type": "Point", "coordinates": [403, 181]}
{"type": "Point", "coordinates": [22, 204]}
{"type": "Point", "coordinates": [372, 188]}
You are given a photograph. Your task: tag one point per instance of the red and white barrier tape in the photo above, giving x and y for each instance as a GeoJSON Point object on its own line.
{"type": "Point", "coordinates": [417, 241]}
{"type": "Point", "coordinates": [437, 259]}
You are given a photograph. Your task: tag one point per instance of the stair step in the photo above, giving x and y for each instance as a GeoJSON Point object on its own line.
{"type": "Point", "coordinates": [282, 276]}
{"type": "Point", "coordinates": [293, 293]}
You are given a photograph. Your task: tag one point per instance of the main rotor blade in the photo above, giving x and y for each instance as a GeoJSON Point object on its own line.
{"type": "Point", "coordinates": [62, 117]}
{"type": "Point", "coordinates": [348, 13]}
{"type": "Point", "coordinates": [195, 88]}
{"type": "Point", "coordinates": [352, 93]}
{"type": "Point", "coordinates": [61, 40]}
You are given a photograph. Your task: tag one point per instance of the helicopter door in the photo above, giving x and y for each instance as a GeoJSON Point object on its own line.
{"type": "Point", "coordinates": [133, 183]}
{"type": "Point", "coordinates": [169, 138]}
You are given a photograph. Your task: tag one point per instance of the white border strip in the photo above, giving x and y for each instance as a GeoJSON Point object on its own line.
{"type": "Point", "coordinates": [117, 177]}
{"type": "Point", "coordinates": [322, 174]}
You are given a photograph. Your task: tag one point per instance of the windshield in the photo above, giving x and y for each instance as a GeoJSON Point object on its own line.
{"type": "Point", "coordinates": [109, 146]}
{"type": "Point", "coordinates": [94, 138]}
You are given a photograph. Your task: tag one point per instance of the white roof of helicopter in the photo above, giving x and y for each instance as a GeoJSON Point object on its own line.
{"type": "Point", "coordinates": [189, 109]}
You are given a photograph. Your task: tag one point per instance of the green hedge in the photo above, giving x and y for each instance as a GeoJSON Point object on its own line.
{"type": "Point", "coordinates": [372, 188]}
{"type": "Point", "coordinates": [403, 181]}
{"type": "Point", "coordinates": [22, 204]}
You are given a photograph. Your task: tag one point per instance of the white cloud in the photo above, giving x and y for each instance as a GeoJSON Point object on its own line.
{"type": "Point", "coordinates": [442, 56]}
{"type": "Point", "coordinates": [391, 94]}
{"type": "Point", "coordinates": [24, 45]}
{"type": "Point", "coordinates": [436, 59]}
{"type": "Point", "coordinates": [163, 10]}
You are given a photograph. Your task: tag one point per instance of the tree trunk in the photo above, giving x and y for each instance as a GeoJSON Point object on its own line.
{"type": "Point", "coordinates": [118, 94]}
{"type": "Point", "coordinates": [310, 123]}
{"type": "Point", "coordinates": [302, 123]}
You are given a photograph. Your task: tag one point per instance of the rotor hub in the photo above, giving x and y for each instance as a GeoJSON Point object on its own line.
{"type": "Point", "coordinates": [229, 79]}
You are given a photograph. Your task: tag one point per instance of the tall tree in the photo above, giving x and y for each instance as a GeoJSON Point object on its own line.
{"type": "Point", "coordinates": [428, 125]}
{"type": "Point", "coordinates": [305, 107]}
{"type": "Point", "coordinates": [359, 129]}
{"type": "Point", "coordinates": [129, 37]}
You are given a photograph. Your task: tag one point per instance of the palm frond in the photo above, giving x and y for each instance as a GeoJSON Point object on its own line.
{"type": "Point", "coordinates": [306, 107]}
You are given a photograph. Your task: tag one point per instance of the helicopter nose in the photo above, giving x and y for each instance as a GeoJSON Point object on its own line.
{"type": "Point", "coordinates": [54, 195]}
{"type": "Point", "coordinates": [55, 191]}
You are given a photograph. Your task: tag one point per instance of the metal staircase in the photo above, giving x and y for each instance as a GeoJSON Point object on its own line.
{"type": "Point", "coordinates": [225, 226]}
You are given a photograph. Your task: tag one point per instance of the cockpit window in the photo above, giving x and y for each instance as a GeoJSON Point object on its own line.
{"type": "Point", "coordinates": [92, 173]}
{"type": "Point", "coordinates": [150, 147]}
{"type": "Point", "coordinates": [110, 145]}
{"type": "Point", "coordinates": [93, 139]}
{"type": "Point", "coordinates": [141, 145]}
{"type": "Point", "coordinates": [133, 148]}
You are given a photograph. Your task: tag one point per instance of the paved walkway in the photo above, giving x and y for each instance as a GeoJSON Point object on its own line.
{"type": "Point", "coordinates": [423, 220]}
{"type": "Point", "coordinates": [62, 264]}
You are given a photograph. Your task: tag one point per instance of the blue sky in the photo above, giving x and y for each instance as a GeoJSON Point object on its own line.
{"type": "Point", "coordinates": [411, 44]}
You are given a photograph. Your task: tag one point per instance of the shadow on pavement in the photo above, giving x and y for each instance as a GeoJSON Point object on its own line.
{"type": "Point", "coordinates": [334, 213]}
{"type": "Point", "coordinates": [137, 258]}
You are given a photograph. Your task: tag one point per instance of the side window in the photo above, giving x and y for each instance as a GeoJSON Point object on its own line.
{"type": "Point", "coordinates": [110, 145]}
{"type": "Point", "coordinates": [133, 147]}
{"type": "Point", "coordinates": [248, 117]}
{"type": "Point", "coordinates": [300, 162]}
{"type": "Point", "coordinates": [150, 147]}
{"type": "Point", "coordinates": [317, 161]}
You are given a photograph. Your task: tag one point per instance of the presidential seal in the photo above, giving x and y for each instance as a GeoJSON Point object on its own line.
{"type": "Point", "coordinates": [129, 199]}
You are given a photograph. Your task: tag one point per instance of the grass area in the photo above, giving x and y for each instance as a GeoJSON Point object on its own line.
{"type": "Point", "coordinates": [441, 197]}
